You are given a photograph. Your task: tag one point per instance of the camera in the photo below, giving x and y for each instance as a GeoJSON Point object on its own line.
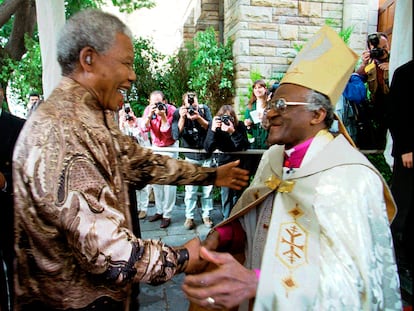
{"type": "Point", "coordinates": [127, 108]}
{"type": "Point", "coordinates": [376, 53]}
{"type": "Point", "coordinates": [374, 40]}
{"type": "Point", "coordinates": [191, 98]}
{"type": "Point", "coordinates": [128, 117]}
{"type": "Point", "coordinates": [191, 110]}
{"type": "Point", "coordinates": [194, 134]}
{"type": "Point", "coordinates": [226, 119]}
{"type": "Point", "coordinates": [161, 106]}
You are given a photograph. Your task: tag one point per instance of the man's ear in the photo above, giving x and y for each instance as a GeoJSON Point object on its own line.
{"type": "Point", "coordinates": [86, 57]}
{"type": "Point", "coordinates": [318, 116]}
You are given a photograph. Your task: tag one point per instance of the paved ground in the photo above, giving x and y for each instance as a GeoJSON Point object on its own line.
{"type": "Point", "coordinates": [169, 297]}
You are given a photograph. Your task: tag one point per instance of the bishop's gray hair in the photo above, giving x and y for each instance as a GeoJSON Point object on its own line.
{"type": "Point", "coordinates": [318, 100]}
{"type": "Point", "coordinates": [91, 27]}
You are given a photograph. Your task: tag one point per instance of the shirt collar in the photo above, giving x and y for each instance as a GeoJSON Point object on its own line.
{"type": "Point", "coordinates": [295, 155]}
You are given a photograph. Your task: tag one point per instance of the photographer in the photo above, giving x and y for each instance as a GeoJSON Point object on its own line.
{"type": "Point", "coordinates": [131, 125]}
{"type": "Point", "coordinates": [190, 124]}
{"type": "Point", "coordinates": [374, 70]}
{"type": "Point", "coordinates": [227, 134]}
{"type": "Point", "coordinates": [157, 118]}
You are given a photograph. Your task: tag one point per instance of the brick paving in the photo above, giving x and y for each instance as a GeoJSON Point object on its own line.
{"type": "Point", "coordinates": [169, 297]}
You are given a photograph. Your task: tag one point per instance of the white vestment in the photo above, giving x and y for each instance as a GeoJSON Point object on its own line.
{"type": "Point", "coordinates": [320, 234]}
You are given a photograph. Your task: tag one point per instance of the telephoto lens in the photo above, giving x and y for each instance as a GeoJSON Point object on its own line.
{"type": "Point", "coordinates": [191, 99]}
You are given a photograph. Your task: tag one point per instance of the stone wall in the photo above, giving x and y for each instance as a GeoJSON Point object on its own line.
{"type": "Point", "coordinates": [266, 34]}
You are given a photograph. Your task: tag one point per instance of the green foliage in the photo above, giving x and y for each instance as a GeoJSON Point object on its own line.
{"type": "Point", "coordinates": [177, 75]}
{"type": "Point", "coordinates": [147, 65]}
{"type": "Point", "coordinates": [127, 6]}
{"type": "Point", "coordinates": [297, 47]}
{"type": "Point", "coordinates": [73, 6]}
{"type": "Point", "coordinates": [217, 194]}
{"type": "Point", "coordinates": [26, 74]}
{"type": "Point", "coordinates": [254, 76]}
{"type": "Point", "coordinates": [378, 160]}
{"type": "Point", "coordinates": [130, 6]}
{"type": "Point", "coordinates": [345, 33]}
{"type": "Point", "coordinates": [212, 70]}
{"type": "Point", "coordinates": [5, 31]}
{"type": "Point", "coordinates": [203, 66]}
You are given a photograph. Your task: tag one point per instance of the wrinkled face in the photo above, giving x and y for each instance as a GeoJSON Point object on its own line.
{"type": "Point", "coordinates": [293, 125]}
{"type": "Point", "coordinates": [113, 73]}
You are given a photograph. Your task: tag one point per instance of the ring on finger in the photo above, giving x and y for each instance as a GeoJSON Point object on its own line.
{"type": "Point", "coordinates": [210, 300]}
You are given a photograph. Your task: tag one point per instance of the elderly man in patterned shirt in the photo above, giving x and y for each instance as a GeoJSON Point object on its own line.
{"type": "Point", "coordinates": [74, 244]}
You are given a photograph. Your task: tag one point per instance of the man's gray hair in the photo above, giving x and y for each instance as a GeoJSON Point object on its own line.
{"type": "Point", "coordinates": [316, 101]}
{"type": "Point", "coordinates": [91, 27]}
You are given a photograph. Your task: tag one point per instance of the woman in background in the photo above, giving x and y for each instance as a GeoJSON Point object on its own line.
{"type": "Point", "coordinates": [226, 133]}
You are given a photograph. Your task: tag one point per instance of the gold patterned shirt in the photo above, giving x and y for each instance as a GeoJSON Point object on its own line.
{"type": "Point", "coordinates": [73, 229]}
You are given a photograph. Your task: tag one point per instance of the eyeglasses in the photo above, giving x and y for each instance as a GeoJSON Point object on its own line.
{"type": "Point", "coordinates": [281, 104]}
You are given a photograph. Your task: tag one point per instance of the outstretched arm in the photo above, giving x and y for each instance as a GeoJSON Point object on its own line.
{"type": "Point", "coordinates": [230, 175]}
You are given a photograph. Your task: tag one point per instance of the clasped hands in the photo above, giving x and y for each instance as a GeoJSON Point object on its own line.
{"type": "Point", "coordinates": [216, 280]}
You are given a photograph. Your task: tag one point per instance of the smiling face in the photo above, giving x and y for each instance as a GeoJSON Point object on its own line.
{"type": "Point", "coordinates": [296, 123]}
{"type": "Point", "coordinates": [108, 75]}
{"type": "Point", "coordinates": [260, 92]}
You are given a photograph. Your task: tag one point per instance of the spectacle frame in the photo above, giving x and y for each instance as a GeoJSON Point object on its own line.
{"type": "Point", "coordinates": [280, 105]}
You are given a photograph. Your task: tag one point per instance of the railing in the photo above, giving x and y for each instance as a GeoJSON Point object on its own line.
{"type": "Point", "coordinates": [248, 151]}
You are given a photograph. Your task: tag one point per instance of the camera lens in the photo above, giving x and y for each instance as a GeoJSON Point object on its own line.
{"type": "Point", "coordinates": [191, 99]}
{"type": "Point", "coordinates": [191, 111]}
{"type": "Point", "coordinates": [374, 39]}
{"type": "Point", "coordinates": [226, 119]}
{"type": "Point", "coordinates": [376, 53]}
{"type": "Point", "coordinates": [161, 106]}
